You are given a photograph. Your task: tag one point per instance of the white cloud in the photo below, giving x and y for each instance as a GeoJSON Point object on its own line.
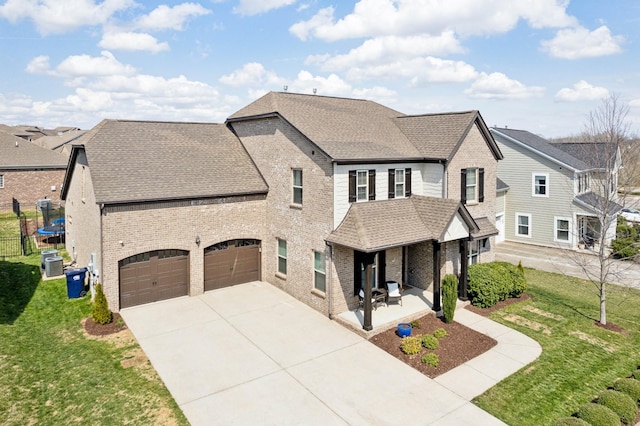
{"type": "Point", "coordinates": [255, 7]}
{"type": "Point", "coordinates": [582, 91]}
{"type": "Point", "coordinates": [53, 17]}
{"type": "Point", "coordinates": [386, 49]}
{"type": "Point", "coordinates": [131, 41]}
{"type": "Point", "coordinates": [251, 74]}
{"type": "Point", "coordinates": [498, 86]}
{"type": "Point", "coordinates": [165, 17]}
{"type": "Point", "coordinates": [634, 103]}
{"type": "Point", "coordinates": [579, 42]}
{"type": "Point", "coordinates": [332, 85]}
{"type": "Point", "coordinates": [372, 18]}
{"type": "Point", "coordinates": [39, 65]}
{"type": "Point", "coordinates": [88, 66]}
{"type": "Point", "coordinates": [419, 71]}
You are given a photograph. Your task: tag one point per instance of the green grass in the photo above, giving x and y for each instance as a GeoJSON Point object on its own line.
{"type": "Point", "coordinates": [578, 359]}
{"type": "Point", "coordinates": [51, 374]}
{"type": "Point", "coordinates": [9, 225]}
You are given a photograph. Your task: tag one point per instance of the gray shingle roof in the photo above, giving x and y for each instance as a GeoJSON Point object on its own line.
{"type": "Point", "coordinates": [27, 155]}
{"type": "Point", "coordinates": [486, 228]}
{"type": "Point", "coordinates": [144, 161]}
{"type": "Point", "coordinates": [56, 142]}
{"type": "Point", "coordinates": [543, 146]}
{"type": "Point", "coordinates": [501, 185]}
{"type": "Point", "coordinates": [598, 203]}
{"type": "Point", "coordinates": [595, 154]}
{"type": "Point", "coordinates": [367, 226]}
{"type": "Point", "coordinates": [354, 129]}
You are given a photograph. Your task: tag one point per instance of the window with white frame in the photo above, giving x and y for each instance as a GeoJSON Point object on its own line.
{"type": "Point", "coordinates": [523, 224]}
{"type": "Point", "coordinates": [540, 184]}
{"type": "Point", "coordinates": [399, 183]}
{"type": "Point", "coordinates": [562, 229]}
{"type": "Point", "coordinates": [282, 256]}
{"type": "Point", "coordinates": [319, 271]}
{"type": "Point", "coordinates": [472, 186]}
{"type": "Point", "coordinates": [362, 189]}
{"type": "Point", "coordinates": [474, 250]}
{"type": "Point", "coordinates": [1, 181]}
{"type": "Point", "coordinates": [583, 183]}
{"type": "Point", "coordinates": [297, 186]}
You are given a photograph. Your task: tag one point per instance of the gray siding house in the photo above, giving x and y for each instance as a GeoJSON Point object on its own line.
{"type": "Point", "coordinates": [555, 194]}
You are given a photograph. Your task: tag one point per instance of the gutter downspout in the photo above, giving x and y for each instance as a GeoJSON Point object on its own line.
{"type": "Point", "coordinates": [330, 281]}
{"type": "Point", "coordinates": [101, 270]}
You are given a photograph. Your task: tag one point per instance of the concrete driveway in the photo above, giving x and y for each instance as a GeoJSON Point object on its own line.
{"type": "Point", "coordinates": [252, 354]}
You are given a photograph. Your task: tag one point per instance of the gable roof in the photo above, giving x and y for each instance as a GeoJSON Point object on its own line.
{"type": "Point", "coordinates": [501, 186]}
{"type": "Point", "coordinates": [598, 203]}
{"type": "Point", "coordinates": [137, 161]}
{"type": "Point", "coordinates": [56, 142]}
{"type": "Point", "coordinates": [542, 147]}
{"type": "Point", "coordinates": [597, 155]}
{"type": "Point", "coordinates": [16, 153]}
{"type": "Point", "coordinates": [367, 227]}
{"type": "Point", "coordinates": [350, 130]}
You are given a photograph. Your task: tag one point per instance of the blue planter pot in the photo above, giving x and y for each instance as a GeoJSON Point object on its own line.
{"type": "Point", "coordinates": [404, 329]}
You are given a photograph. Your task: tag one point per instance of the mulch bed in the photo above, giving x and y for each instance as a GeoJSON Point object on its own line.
{"type": "Point", "coordinates": [93, 328]}
{"type": "Point", "coordinates": [485, 312]}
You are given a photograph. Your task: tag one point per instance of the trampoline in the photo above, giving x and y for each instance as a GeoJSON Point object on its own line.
{"type": "Point", "coordinates": [56, 228]}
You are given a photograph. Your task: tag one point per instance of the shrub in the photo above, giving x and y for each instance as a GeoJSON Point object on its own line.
{"type": "Point", "coordinates": [620, 403]}
{"type": "Point", "coordinates": [411, 345]}
{"type": "Point", "coordinates": [492, 282]}
{"type": "Point", "coordinates": [415, 324]}
{"type": "Point", "coordinates": [449, 297]}
{"type": "Point", "coordinates": [629, 386]}
{"type": "Point", "coordinates": [101, 313]}
{"type": "Point", "coordinates": [440, 333]}
{"type": "Point", "coordinates": [636, 374]}
{"type": "Point", "coordinates": [598, 415]}
{"type": "Point", "coordinates": [571, 421]}
{"type": "Point", "coordinates": [625, 245]}
{"type": "Point", "coordinates": [431, 359]}
{"type": "Point", "coordinates": [521, 271]}
{"type": "Point", "coordinates": [430, 342]}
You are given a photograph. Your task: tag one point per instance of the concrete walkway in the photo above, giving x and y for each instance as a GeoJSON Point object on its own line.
{"type": "Point", "coordinates": [252, 354]}
{"type": "Point", "coordinates": [567, 262]}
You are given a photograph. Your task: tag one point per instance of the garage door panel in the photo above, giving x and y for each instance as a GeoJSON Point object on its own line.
{"type": "Point", "coordinates": [232, 262]}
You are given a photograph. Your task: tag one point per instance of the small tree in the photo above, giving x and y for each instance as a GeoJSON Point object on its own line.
{"type": "Point", "coordinates": [101, 313]}
{"type": "Point", "coordinates": [449, 297]}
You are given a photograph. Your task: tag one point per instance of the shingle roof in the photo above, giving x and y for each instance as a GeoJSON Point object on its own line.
{"type": "Point", "coordinates": [486, 229]}
{"type": "Point", "coordinates": [367, 226]}
{"type": "Point", "coordinates": [595, 154]}
{"type": "Point", "coordinates": [56, 142]}
{"type": "Point", "coordinates": [16, 153]}
{"type": "Point", "coordinates": [599, 203]}
{"type": "Point", "coordinates": [354, 129]}
{"type": "Point", "coordinates": [143, 161]}
{"type": "Point", "coordinates": [501, 185]}
{"type": "Point", "coordinates": [543, 146]}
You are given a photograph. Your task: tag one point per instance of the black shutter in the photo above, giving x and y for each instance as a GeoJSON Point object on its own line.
{"type": "Point", "coordinates": [481, 185]}
{"type": "Point", "coordinates": [463, 186]}
{"type": "Point", "coordinates": [352, 186]}
{"type": "Point", "coordinates": [407, 182]}
{"type": "Point", "coordinates": [372, 184]}
{"type": "Point", "coordinates": [392, 183]}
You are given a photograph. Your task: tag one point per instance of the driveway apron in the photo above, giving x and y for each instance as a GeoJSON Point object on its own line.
{"type": "Point", "coordinates": [252, 354]}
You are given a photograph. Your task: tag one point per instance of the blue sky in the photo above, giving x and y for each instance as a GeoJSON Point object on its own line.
{"type": "Point", "coordinates": [538, 65]}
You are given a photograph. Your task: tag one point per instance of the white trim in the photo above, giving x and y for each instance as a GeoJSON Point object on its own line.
{"type": "Point", "coordinates": [546, 184]}
{"type": "Point", "coordinates": [475, 186]}
{"type": "Point", "coordinates": [396, 184]}
{"type": "Point", "coordinates": [317, 271]}
{"type": "Point", "coordinates": [294, 186]}
{"type": "Point", "coordinates": [366, 185]}
{"type": "Point", "coordinates": [555, 229]}
{"type": "Point", "coordinates": [529, 225]}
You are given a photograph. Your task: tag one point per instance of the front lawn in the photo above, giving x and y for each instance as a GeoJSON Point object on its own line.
{"type": "Point", "coordinates": [51, 373]}
{"type": "Point", "coordinates": [579, 359]}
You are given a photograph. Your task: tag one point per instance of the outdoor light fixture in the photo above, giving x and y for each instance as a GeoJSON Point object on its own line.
{"type": "Point", "coordinates": [198, 240]}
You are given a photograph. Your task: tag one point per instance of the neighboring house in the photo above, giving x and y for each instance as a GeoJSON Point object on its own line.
{"type": "Point", "coordinates": [62, 142]}
{"type": "Point", "coordinates": [28, 172]}
{"type": "Point", "coordinates": [557, 191]}
{"type": "Point", "coordinates": [322, 194]}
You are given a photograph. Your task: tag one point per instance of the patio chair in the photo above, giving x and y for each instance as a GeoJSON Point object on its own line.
{"type": "Point", "coordinates": [374, 302]}
{"type": "Point", "coordinates": [394, 294]}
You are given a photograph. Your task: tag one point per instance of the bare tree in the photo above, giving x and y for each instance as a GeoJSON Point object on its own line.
{"type": "Point", "coordinates": [605, 141]}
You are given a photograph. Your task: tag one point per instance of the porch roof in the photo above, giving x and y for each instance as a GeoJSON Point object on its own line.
{"type": "Point", "coordinates": [379, 225]}
{"type": "Point", "coordinates": [487, 229]}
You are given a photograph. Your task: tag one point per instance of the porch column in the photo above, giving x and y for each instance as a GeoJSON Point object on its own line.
{"type": "Point", "coordinates": [367, 261]}
{"type": "Point", "coordinates": [464, 267]}
{"type": "Point", "coordinates": [436, 276]}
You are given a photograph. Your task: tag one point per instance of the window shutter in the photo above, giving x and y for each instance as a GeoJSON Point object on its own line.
{"type": "Point", "coordinates": [392, 183]}
{"type": "Point", "coordinates": [481, 185]}
{"type": "Point", "coordinates": [372, 184]}
{"type": "Point", "coordinates": [352, 186]}
{"type": "Point", "coordinates": [407, 182]}
{"type": "Point", "coordinates": [463, 186]}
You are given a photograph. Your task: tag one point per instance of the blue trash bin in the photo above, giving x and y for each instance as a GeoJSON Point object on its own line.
{"type": "Point", "coordinates": [75, 282]}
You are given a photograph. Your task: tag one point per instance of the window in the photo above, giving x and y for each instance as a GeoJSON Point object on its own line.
{"type": "Point", "coordinates": [399, 183]}
{"type": "Point", "coordinates": [319, 271]}
{"type": "Point", "coordinates": [297, 186]}
{"type": "Point", "coordinates": [472, 186]}
{"type": "Point", "coordinates": [1, 181]}
{"type": "Point", "coordinates": [523, 225]}
{"type": "Point", "coordinates": [562, 229]}
{"type": "Point", "coordinates": [474, 250]}
{"type": "Point", "coordinates": [583, 183]}
{"type": "Point", "coordinates": [362, 185]}
{"type": "Point", "coordinates": [282, 256]}
{"type": "Point", "coordinates": [540, 185]}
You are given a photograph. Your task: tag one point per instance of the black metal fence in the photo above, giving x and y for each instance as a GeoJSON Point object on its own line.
{"type": "Point", "coordinates": [10, 246]}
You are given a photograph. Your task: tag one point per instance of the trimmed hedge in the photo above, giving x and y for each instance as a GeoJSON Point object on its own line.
{"type": "Point", "coordinates": [629, 386]}
{"type": "Point", "coordinates": [492, 282]}
{"type": "Point", "coordinates": [571, 421]}
{"type": "Point", "coordinates": [101, 313]}
{"type": "Point", "coordinates": [636, 374]}
{"type": "Point", "coordinates": [620, 403]}
{"type": "Point", "coordinates": [411, 345]}
{"type": "Point", "coordinates": [430, 341]}
{"type": "Point", "coordinates": [598, 415]}
{"type": "Point", "coordinates": [449, 297]}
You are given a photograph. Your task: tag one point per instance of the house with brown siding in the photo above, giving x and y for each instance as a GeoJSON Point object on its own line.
{"type": "Point", "coordinates": [324, 196]}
